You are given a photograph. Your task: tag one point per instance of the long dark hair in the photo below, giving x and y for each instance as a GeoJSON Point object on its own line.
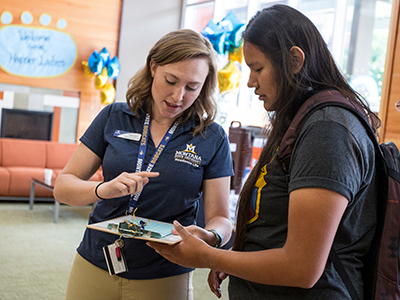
{"type": "Point", "coordinates": [275, 30]}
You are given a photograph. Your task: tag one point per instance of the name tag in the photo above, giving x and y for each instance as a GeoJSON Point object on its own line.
{"type": "Point", "coordinates": [127, 135]}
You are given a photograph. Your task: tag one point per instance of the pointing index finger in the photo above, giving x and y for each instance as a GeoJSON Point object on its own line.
{"type": "Point", "coordinates": [148, 174]}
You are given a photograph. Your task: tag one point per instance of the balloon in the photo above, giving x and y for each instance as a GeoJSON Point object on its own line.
{"type": "Point", "coordinates": [86, 69]}
{"type": "Point", "coordinates": [229, 22]}
{"type": "Point", "coordinates": [229, 77]}
{"type": "Point", "coordinates": [226, 34]}
{"type": "Point", "coordinates": [236, 54]}
{"type": "Point", "coordinates": [212, 28]}
{"type": "Point", "coordinates": [234, 28]}
{"type": "Point", "coordinates": [235, 36]}
{"type": "Point", "coordinates": [113, 68]}
{"type": "Point", "coordinates": [215, 35]}
{"type": "Point", "coordinates": [218, 41]}
{"type": "Point", "coordinates": [105, 55]}
{"type": "Point", "coordinates": [96, 62]}
{"type": "Point", "coordinates": [104, 68]}
{"type": "Point", "coordinates": [107, 94]}
{"type": "Point", "coordinates": [101, 79]}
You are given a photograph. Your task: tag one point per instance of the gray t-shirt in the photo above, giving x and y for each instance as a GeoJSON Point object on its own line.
{"type": "Point", "coordinates": [333, 151]}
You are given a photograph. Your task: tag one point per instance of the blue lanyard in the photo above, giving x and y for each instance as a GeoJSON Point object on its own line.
{"type": "Point", "coordinates": [142, 152]}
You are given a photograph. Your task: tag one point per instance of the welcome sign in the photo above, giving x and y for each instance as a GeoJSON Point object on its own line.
{"type": "Point", "coordinates": [36, 52]}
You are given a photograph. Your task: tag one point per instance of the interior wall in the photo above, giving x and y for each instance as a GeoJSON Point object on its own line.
{"type": "Point", "coordinates": [390, 117]}
{"type": "Point", "coordinates": [142, 24]}
{"type": "Point", "coordinates": [64, 106]}
{"type": "Point", "coordinates": [93, 24]}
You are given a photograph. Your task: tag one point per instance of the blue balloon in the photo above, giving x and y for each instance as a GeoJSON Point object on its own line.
{"type": "Point", "coordinates": [226, 34]}
{"type": "Point", "coordinates": [212, 28]}
{"type": "Point", "coordinates": [218, 41]}
{"type": "Point", "coordinates": [215, 35]}
{"type": "Point", "coordinates": [235, 35]}
{"type": "Point", "coordinates": [96, 62]}
{"type": "Point", "coordinates": [113, 68]}
{"type": "Point", "coordinates": [234, 29]}
{"type": "Point", "coordinates": [105, 55]}
{"type": "Point", "coordinates": [229, 22]}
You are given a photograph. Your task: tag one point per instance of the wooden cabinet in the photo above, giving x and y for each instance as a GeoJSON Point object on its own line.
{"type": "Point", "coordinates": [390, 117]}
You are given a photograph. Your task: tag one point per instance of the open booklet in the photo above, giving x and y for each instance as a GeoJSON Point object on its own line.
{"type": "Point", "coordinates": [138, 228]}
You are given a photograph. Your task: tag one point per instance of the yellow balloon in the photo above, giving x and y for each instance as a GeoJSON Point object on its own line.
{"type": "Point", "coordinates": [236, 54]}
{"type": "Point", "coordinates": [107, 94]}
{"type": "Point", "coordinates": [86, 69]}
{"type": "Point", "coordinates": [101, 80]}
{"type": "Point", "coordinates": [229, 77]}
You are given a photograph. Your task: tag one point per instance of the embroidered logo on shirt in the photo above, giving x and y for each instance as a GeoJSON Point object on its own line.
{"type": "Point", "coordinates": [188, 156]}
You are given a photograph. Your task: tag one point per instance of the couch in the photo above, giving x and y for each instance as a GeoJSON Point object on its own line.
{"type": "Point", "coordinates": [21, 160]}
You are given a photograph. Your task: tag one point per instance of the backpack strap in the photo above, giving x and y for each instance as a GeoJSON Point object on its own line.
{"type": "Point", "coordinates": [318, 101]}
{"type": "Point", "coordinates": [343, 274]}
{"type": "Point", "coordinates": [392, 159]}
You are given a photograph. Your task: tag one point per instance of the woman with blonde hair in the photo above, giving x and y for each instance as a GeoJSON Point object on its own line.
{"type": "Point", "coordinates": [171, 154]}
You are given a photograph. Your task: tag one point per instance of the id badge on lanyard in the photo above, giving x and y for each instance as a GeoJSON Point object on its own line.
{"type": "Point", "coordinates": [142, 152]}
{"type": "Point", "coordinates": [113, 253]}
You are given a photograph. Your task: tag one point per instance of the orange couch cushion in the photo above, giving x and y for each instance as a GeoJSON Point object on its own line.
{"type": "Point", "coordinates": [58, 154]}
{"type": "Point", "coordinates": [4, 181]}
{"type": "Point", "coordinates": [20, 182]}
{"type": "Point", "coordinates": [23, 153]}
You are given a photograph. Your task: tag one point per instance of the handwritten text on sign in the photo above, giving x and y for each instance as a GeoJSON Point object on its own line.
{"type": "Point", "coordinates": [36, 52]}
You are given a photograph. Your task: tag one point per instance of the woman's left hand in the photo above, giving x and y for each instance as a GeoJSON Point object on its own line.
{"type": "Point", "coordinates": [189, 252]}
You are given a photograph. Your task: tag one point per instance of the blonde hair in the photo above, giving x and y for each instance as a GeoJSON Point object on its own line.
{"type": "Point", "coordinates": [174, 47]}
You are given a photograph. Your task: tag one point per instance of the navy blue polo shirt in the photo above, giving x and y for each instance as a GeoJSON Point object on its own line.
{"type": "Point", "coordinates": [174, 195]}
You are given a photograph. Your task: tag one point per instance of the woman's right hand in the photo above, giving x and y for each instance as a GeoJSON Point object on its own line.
{"type": "Point", "coordinates": [215, 279]}
{"type": "Point", "coordinates": [125, 184]}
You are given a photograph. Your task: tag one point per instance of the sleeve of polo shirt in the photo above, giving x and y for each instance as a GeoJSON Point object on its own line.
{"type": "Point", "coordinates": [93, 138]}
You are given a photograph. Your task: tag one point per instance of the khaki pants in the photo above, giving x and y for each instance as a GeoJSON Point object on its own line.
{"type": "Point", "coordinates": [87, 282]}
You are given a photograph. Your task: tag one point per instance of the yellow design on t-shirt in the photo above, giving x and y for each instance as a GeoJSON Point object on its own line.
{"type": "Point", "coordinates": [260, 183]}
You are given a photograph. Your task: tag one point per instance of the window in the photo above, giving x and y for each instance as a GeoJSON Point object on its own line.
{"type": "Point", "coordinates": [356, 32]}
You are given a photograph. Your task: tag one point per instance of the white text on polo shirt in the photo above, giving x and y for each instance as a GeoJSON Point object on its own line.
{"type": "Point", "coordinates": [188, 156]}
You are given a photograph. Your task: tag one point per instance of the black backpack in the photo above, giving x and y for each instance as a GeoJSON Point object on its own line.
{"type": "Point", "coordinates": [382, 265]}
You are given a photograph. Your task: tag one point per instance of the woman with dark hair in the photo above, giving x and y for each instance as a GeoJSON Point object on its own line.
{"type": "Point", "coordinates": [169, 115]}
{"type": "Point", "coordinates": [288, 222]}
